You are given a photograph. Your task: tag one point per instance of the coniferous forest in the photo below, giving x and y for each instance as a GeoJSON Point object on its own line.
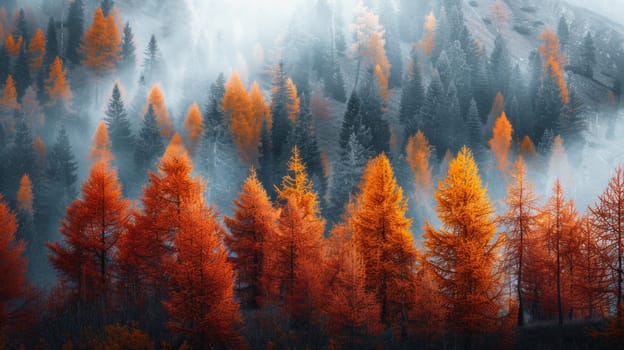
{"type": "Point", "coordinates": [311, 174]}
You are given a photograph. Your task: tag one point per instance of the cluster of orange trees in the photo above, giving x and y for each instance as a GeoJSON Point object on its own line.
{"type": "Point", "coordinates": [168, 259]}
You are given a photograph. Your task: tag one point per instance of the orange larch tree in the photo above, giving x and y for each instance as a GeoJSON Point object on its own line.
{"type": "Point", "coordinates": [91, 229]}
{"type": "Point", "coordinates": [13, 45]}
{"type": "Point", "coordinates": [100, 149]}
{"type": "Point", "coordinates": [101, 44]}
{"type": "Point", "coordinates": [253, 223]}
{"type": "Point", "coordinates": [37, 50]}
{"type": "Point", "coordinates": [369, 42]}
{"type": "Point", "coordinates": [294, 103]}
{"type": "Point", "coordinates": [57, 85]}
{"type": "Point", "coordinates": [608, 217]}
{"type": "Point", "coordinates": [237, 107]}
{"type": "Point", "coordinates": [519, 219]}
{"type": "Point", "coordinates": [352, 310]}
{"type": "Point", "coordinates": [8, 101]}
{"type": "Point", "coordinates": [382, 235]}
{"type": "Point", "coordinates": [527, 149]}
{"type": "Point", "coordinates": [25, 195]}
{"type": "Point", "coordinates": [201, 303]}
{"type": "Point", "coordinates": [463, 253]}
{"type": "Point", "coordinates": [500, 143]}
{"type": "Point", "coordinates": [193, 127]}
{"type": "Point", "coordinates": [12, 262]}
{"type": "Point", "coordinates": [559, 229]}
{"type": "Point", "coordinates": [554, 61]}
{"type": "Point", "coordinates": [260, 111]}
{"type": "Point", "coordinates": [294, 267]}
{"type": "Point", "coordinates": [417, 154]}
{"type": "Point", "coordinates": [157, 100]}
{"type": "Point", "coordinates": [428, 40]}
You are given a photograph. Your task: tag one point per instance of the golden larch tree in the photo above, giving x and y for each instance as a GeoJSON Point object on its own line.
{"type": "Point", "coordinates": [13, 45]}
{"type": "Point", "coordinates": [253, 224]}
{"type": "Point", "coordinates": [36, 49]}
{"type": "Point", "coordinates": [157, 100]}
{"type": "Point", "coordinates": [294, 267]}
{"type": "Point", "coordinates": [8, 102]}
{"type": "Point", "coordinates": [369, 45]}
{"type": "Point", "coordinates": [294, 103]}
{"type": "Point", "coordinates": [237, 107]}
{"type": "Point", "coordinates": [25, 194]}
{"type": "Point", "coordinates": [500, 143]}
{"type": "Point", "coordinates": [463, 253]}
{"type": "Point", "coordinates": [193, 127]}
{"type": "Point", "coordinates": [260, 111]}
{"type": "Point", "coordinates": [57, 85]}
{"type": "Point", "coordinates": [382, 235]}
{"type": "Point", "coordinates": [527, 149]}
{"type": "Point", "coordinates": [519, 220]}
{"type": "Point", "coordinates": [100, 148]}
{"type": "Point", "coordinates": [418, 154]}
{"type": "Point", "coordinates": [101, 44]}
{"type": "Point", "coordinates": [554, 61]}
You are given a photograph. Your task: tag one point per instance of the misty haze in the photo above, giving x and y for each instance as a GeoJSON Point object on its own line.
{"type": "Point", "coordinates": [311, 174]}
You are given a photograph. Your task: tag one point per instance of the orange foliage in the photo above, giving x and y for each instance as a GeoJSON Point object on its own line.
{"type": "Point", "coordinates": [554, 61]}
{"type": "Point", "coordinates": [252, 225]}
{"type": "Point", "coordinates": [37, 50]}
{"type": "Point", "coordinates": [498, 106]}
{"type": "Point", "coordinates": [418, 153]}
{"type": "Point", "coordinates": [157, 100]}
{"type": "Point", "coordinates": [12, 45]}
{"type": "Point", "coordinates": [326, 165]}
{"type": "Point", "coordinates": [428, 40]}
{"type": "Point", "coordinates": [527, 148]}
{"type": "Point", "coordinates": [382, 236]}
{"type": "Point", "coordinates": [260, 109]}
{"type": "Point", "coordinates": [463, 252]}
{"type": "Point", "coordinates": [520, 220]}
{"type": "Point", "coordinates": [193, 127]}
{"type": "Point", "coordinates": [501, 142]}
{"type": "Point", "coordinates": [237, 107]}
{"type": "Point", "coordinates": [91, 229]}
{"type": "Point", "coordinates": [41, 153]}
{"type": "Point", "coordinates": [100, 150]}
{"type": "Point", "coordinates": [25, 195]}
{"type": "Point", "coordinates": [293, 270]}
{"type": "Point", "coordinates": [12, 262]}
{"type": "Point", "coordinates": [499, 12]}
{"type": "Point", "coordinates": [294, 103]}
{"type": "Point", "coordinates": [57, 86]}
{"type": "Point", "coordinates": [101, 44]}
{"type": "Point", "coordinates": [382, 79]}
{"type": "Point", "coordinates": [8, 102]}
{"type": "Point", "coordinates": [352, 310]}
{"type": "Point", "coordinates": [369, 36]}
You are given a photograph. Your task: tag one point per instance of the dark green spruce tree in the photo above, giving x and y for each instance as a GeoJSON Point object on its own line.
{"type": "Point", "coordinates": [21, 74]}
{"type": "Point", "coordinates": [75, 29]}
{"type": "Point", "coordinates": [372, 112]}
{"type": "Point", "coordinates": [413, 93]}
{"type": "Point", "coordinates": [122, 140]}
{"type": "Point", "coordinates": [149, 145]}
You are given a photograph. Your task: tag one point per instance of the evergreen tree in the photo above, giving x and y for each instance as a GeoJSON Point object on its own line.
{"type": "Point", "coordinates": [5, 65]}
{"type": "Point", "coordinates": [75, 28]}
{"type": "Point", "coordinates": [149, 145]}
{"type": "Point", "coordinates": [413, 93]}
{"type": "Point", "coordinates": [51, 47]}
{"type": "Point", "coordinates": [475, 132]}
{"type": "Point", "coordinates": [482, 90]}
{"type": "Point", "coordinates": [128, 50]}
{"type": "Point", "coordinates": [21, 27]}
{"type": "Point", "coordinates": [500, 67]}
{"type": "Point", "coordinates": [334, 82]}
{"type": "Point", "coordinates": [351, 121]}
{"type": "Point", "coordinates": [106, 6]}
{"type": "Point", "coordinates": [572, 125]}
{"type": "Point", "coordinates": [431, 116]}
{"type": "Point", "coordinates": [461, 76]}
{"type": "Point", "coordinates": [588, 56]}
{"type": "Point", "coordinates": [388, 18]}
{"type": "Point", "coordinates": [62, 177]}
{"type": "Point", "coordinates": [217, 152]}
{"type": "Point", "coordinates": [372, 112]}
{"type": "Point", "coordinates": [455, 131]}
{"type": "Point", "coordinates": [121, 137]}
{"type": "Point", "coordinates": [443, 66]}
{"type": "Point", "coordinates": [346, 174]}
{"type": "Point", "coordinates": [548, 105]}
{"type": "Point", "coordinates": [563, 32]}
{"type": "Point", "coordinates": [152, 61]}
{"type": "Point", "coordinates": [279, 100]}
{"type": "Point", "coordinates": [21, 72]}
{"type": "Point", "coordinates": [266, 161]}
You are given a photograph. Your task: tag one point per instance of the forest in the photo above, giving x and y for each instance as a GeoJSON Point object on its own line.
{"type": "Point", "coordinates": [311, 174]}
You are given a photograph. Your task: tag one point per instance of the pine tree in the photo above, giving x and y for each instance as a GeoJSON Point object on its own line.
{"type": "Point", "coordinates": [21, 155]}
{"type": "Point", "coordinates": [149, 145]}
{"type": "Point", "coordinates": [382, 237]}
{"type": "Point", "coordinates": [351, 121]}
{"type": "Point", "coordinates": [21, 71]}
{"type": "Point", "coordinates": [152, 61]}
{"type": "Point", "coordinates": [251, 226]}
{"type": "Point", "coordinates": [21, 26]}
{"type": "Point", "coordinates": [463, 252]}
{"type": "Point", "coordinates": [119, 126]}
{"type": "Point", "coordinates": [500, 67]}
{"type": "Point", "coordinates": [62, 177]}
{"type": "Point", "coordinates": [520, 220]}
{"type": "Point", "coordinates": [128, 50]}
{"type": "Point", "coordinates": [588, 55]}
{"type": "Point", "coordinates": [431, 116]}
{"type": "Point", "coordinates": [5, 63]}
{"type": "Point", "coordinates": [57, 86]}
{"type": "Point", "coordinates": [75, 29]}
{"type": "Point", "coordinates": [347, 173]}
{"type": "Point", "coordinates": [371, 113]}
{"type": "Point", "coordinates": [475, 132]}
{"type": "Point", "coordinates": [8, 100]}
{"type": "Point", "coordinates": [413, 93]}
{"type": "Point", "coordinates": [51, 47]}
{"type": "Point", "coordinates": [237, 109]}
{"type": "Point", "coordinates": [281, 98]}
{"type": "Point", "coordinates": [563, 32]}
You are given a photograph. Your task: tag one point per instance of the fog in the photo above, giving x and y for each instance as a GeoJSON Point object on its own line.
{"type": "Point", "coordinates": [613, 9]}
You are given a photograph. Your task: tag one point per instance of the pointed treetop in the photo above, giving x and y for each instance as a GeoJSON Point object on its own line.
{"type": "Point", "coordinates": [25, 195]}
{"type": "Point", "coordinates": [176, 152]}
{"type": "Point", "coordinates": [100, 149]}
